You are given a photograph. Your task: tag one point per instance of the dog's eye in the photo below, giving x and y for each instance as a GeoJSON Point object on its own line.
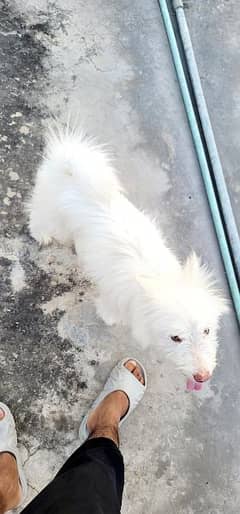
{"type": "Point", "coordinates": [176, 339]}
{"type": "Point", "coordinates": [206, 331]}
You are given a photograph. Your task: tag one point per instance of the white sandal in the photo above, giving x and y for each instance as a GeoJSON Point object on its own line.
{"type": "Point", "coordinates": [120, 379]}
{"type": "Point", "coordinates": [8, 443]}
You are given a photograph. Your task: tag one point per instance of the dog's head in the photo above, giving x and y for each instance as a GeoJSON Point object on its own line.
{"type": "Point", "coordinates": [184, 316]}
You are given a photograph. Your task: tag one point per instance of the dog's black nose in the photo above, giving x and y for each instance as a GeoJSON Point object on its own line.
{"type": "Point", "coordinates": [202, 376]}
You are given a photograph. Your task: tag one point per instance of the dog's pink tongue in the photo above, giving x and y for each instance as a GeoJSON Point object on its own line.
{"type": "Point", "coordinates": [198, 386]}
{"type": "Point", "coordinates": [192, 385]}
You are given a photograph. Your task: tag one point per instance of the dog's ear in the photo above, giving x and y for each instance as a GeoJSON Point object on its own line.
{"type": "Point", "coordinates": [198, 273]}
{"type": "Point", "coordinates": [201, 277]}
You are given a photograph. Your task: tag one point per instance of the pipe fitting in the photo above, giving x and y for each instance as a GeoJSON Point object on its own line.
{"type": "Point", "coordinates": [178, 4]}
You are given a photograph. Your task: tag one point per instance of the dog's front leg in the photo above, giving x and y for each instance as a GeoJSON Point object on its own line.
{"type": "Point", "coordinates": [104, 310]}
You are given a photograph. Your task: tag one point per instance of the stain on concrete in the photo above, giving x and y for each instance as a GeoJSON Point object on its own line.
{"type": "Point", "coordinates": [22, 72]}
{"type": "Point", "coordinates": [163, 465]}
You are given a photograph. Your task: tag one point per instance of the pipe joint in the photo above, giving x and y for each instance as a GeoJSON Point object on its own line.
{"type": "Point", "coordinates": [178, 4]}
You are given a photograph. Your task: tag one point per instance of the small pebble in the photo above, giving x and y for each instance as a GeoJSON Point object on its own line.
{"type": "Point", "coordinates": [13, 175]}
{"type": "Point", "coordinates": [11, 193]}
{"type": "Point", "coordinates": [16, 115]}
{"type": "Point", "coordinates": [24, 130]}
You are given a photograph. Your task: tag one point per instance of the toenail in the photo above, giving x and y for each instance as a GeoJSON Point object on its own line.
{"type": "Point", "coordinates": [137, 371]}
{"type": "Point", "coordinates": [131, 362]}
{"type": "Point", "coordinates": [2, 414]}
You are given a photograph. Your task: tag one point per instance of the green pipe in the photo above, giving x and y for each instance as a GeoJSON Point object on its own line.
{"type": "Point", "coordinates": [219, 180]}
{"type": "Point", "coordinates": [201, 158]}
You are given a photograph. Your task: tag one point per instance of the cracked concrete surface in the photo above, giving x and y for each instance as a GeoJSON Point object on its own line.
{"type": "Point", "coordinates": [110, 61]}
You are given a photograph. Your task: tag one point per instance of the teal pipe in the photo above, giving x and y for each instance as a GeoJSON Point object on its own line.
{"type": "Point", "coordinates": [223, 245]}
{"type": "Point", "coordinates": [223, 196]}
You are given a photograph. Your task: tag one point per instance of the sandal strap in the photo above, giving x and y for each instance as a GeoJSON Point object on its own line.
{"type": "Point", "coordinates": [8, 444]}
{"type": "Point", "coordinates": [120, 379]}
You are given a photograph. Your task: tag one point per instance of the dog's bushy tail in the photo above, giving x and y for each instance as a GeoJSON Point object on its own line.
{"type": "Point", "coordinates": [76, 158]}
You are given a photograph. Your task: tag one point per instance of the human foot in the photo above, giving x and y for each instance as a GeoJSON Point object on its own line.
{"type": "Point", "coordinates": [10, 488]}
{"type": "Point", "coordinates": [104, 419]}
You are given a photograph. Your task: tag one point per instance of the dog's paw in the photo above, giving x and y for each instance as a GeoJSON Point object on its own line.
{"type": "Point", "coordinates": [45, 241]}
{"type": "Point", "coordinates": [42, 239]}
{"type": "Point", "coordinates": [40, 233]}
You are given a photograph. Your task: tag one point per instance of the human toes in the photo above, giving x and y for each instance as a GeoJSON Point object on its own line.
{"type": "Point", "coordinates": [2, 414]}
{"type": "Point", "coordinates": [135, 369]}
{"type": "Point", "coordinates": [130, 365]}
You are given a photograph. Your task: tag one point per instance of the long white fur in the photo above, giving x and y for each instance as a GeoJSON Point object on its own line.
{"type": "Point", "coordinates": [78, 199]}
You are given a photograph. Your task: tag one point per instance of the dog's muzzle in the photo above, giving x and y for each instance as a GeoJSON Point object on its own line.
{"type": "Point", "coordinates": [202, 376]}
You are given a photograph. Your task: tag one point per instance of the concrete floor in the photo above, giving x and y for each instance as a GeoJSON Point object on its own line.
{"type": "Point", "coordinates": [110, 61]}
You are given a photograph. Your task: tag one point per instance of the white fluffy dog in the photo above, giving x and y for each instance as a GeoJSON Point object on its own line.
{"type": "Point", "coordinates": [78, 199]}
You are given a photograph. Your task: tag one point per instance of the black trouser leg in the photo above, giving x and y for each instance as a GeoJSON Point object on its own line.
{"type": "Point", "coordinates": [90, 482]}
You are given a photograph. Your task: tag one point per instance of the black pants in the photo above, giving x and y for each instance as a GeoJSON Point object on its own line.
{"type": "Point", "coordinates": [90, 482]}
